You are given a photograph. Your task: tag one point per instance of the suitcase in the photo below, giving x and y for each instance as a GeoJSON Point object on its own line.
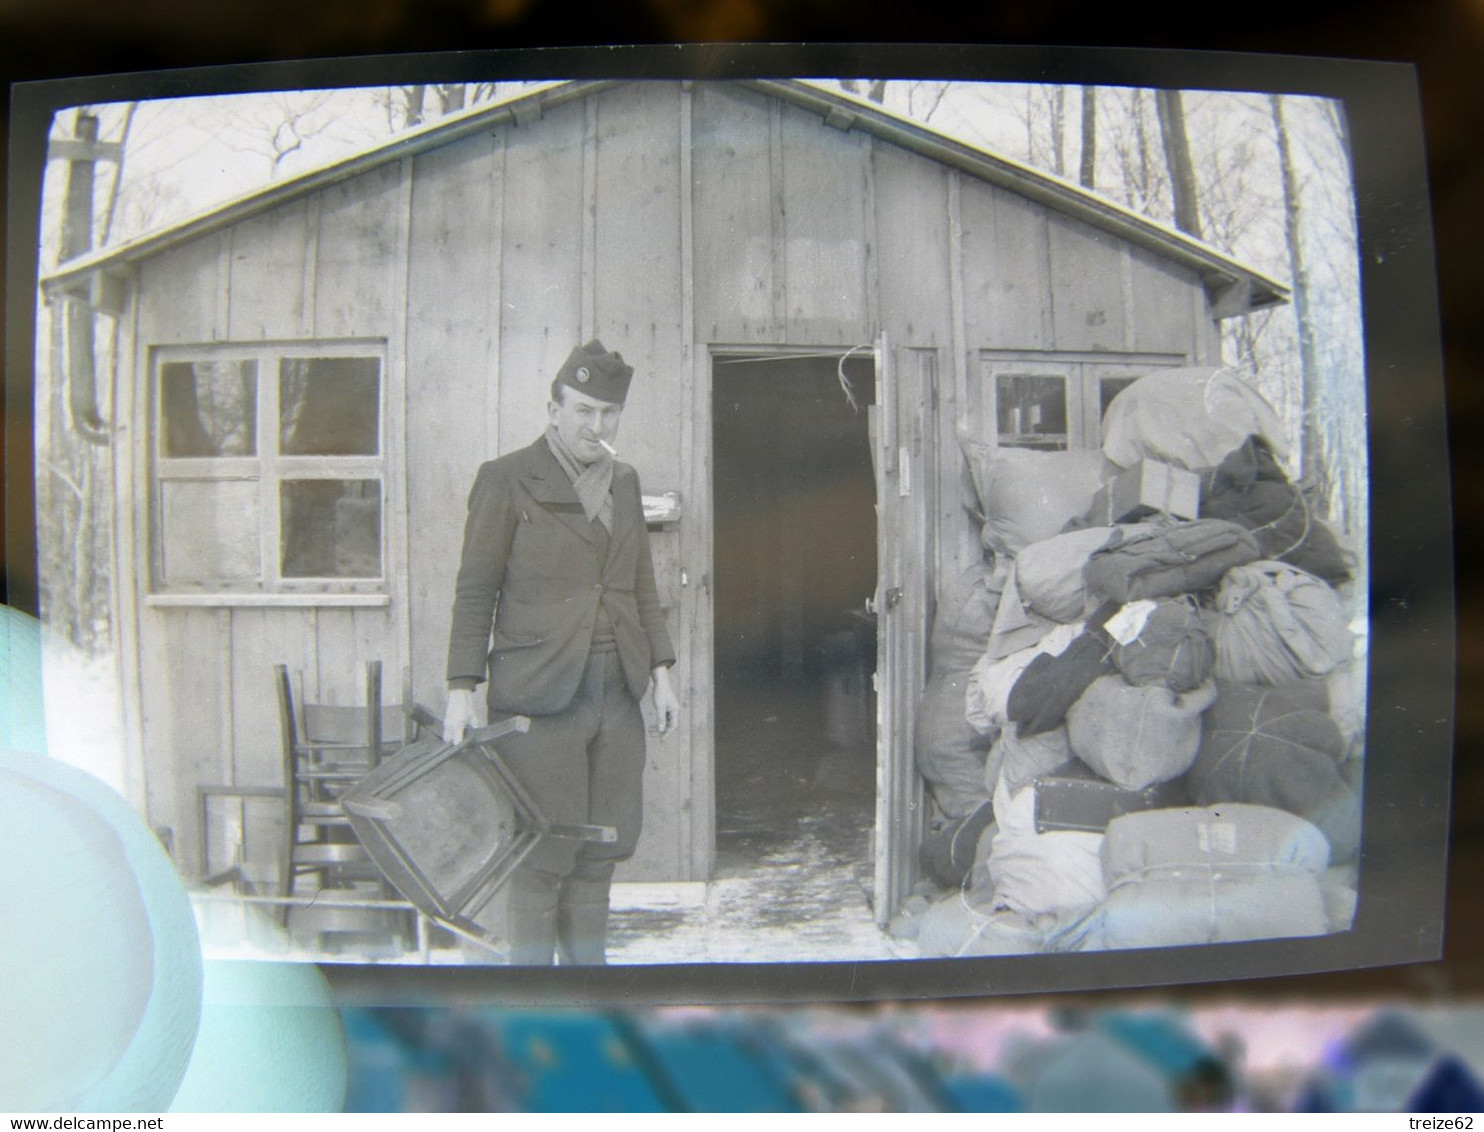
{"type": "Point", "coordinates": [447, 824]}
{"type": "Point", "coordinates": [1073, 798]}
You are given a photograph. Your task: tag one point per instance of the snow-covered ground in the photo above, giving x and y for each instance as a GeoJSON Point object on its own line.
{"type": "Point", "coordinates": [83, 721]}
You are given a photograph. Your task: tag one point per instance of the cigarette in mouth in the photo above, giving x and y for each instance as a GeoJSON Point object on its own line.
{"type": "Point", "coordinates": [612, 451]}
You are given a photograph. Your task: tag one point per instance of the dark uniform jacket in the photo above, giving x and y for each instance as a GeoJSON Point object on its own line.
{"type": "Point", "coordinates": [535, 565]}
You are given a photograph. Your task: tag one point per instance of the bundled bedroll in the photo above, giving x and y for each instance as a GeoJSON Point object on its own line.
{"type": "Point", "coordinates": [1278, 747]}
{"type": "Point", "coordinates": [1184, 557]}
{"type": "Point", "coordinates": [1219, 874]}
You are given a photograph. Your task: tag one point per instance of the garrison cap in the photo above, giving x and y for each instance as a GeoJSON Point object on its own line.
{"type": "Point", "coordinates": [594, 370]}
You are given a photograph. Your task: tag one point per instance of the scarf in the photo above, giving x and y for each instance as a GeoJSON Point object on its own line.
{"type": "Point", "coordinates": [593, 482]}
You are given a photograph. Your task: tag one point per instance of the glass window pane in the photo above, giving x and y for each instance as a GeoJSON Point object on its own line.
{"type": "Point", "coordinates": [1031, 410]}
{"type": "Point", "coordinates": [329, 406]}
{"type": "Point", "coordinates": [209, 408]}
{"type": "Point", "coordinates": [1109, 388]}
{"type": "Point", "coordinates": [331, 528]}
{"type": "Point", "coordinates": [210, 532]}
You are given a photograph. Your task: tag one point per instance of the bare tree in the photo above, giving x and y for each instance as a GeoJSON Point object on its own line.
{"type": "Point", "coordinates": [924, 99]}
{"type": "Point", "coordinates": [1311, 464]}
{"type": "Point", "coordinates": [1133, 174]}
{"type": "Point", "coordinates": [413, 98]}
{"type": "Point", "coordinates": [72, 484]}
{"type": "Point", "coordinates": [278, 125]}
{"type": "Point", "coordinates": [1087, 174]}
{"type": "Point", "coordinates": [1171, 108]}
{"type": "Point", "coordinates": [875, 89]}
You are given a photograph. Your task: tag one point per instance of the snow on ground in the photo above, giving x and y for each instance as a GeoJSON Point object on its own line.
{"type": "Point", "coordinates": [800, 904]}
{"type": "Point", "coordinates": [83, 719]}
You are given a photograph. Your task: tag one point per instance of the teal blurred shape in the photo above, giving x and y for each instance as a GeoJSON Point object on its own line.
{"type": "Point", "coordinates": [102, 993]}
{"type": "Point", "coordinates": [575, 1062]}
{"type": "Point", "coordinates": [271, 1040]}
{"type": "Point", "coordinates": [22, 709]}
{"type": "Point", "coordinates": [1159, 1039]}
{"type": "Point", "coordinates": [102, 990]}
{"type": "Point", "coordinates": [980, 1093]}
{"type": "Point", "coordinates": [1098, 1073]}
{"type": "Point", "coordinates": [711, 1068]}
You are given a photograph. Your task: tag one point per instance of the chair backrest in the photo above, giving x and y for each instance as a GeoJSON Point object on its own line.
{"type": "Point", "coordinates": [332, 723]}
{"type": "Point", "coordinates": [370, 727]}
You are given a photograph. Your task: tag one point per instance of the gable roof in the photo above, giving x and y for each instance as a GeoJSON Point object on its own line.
{"type": "Point", "coordinates": [1238, 288]}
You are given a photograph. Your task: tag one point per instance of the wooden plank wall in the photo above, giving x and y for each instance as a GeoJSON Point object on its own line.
{"type": "Point", "coordinates": [320, 268]}
{"type": "Point", "coordinates": [453, 336]}
{"type": "Point", "coordinates": [734, 236]}
{"type": "Point", "coordinates": [637, 301]}
{"type": "Point", "coordinates": [541, 266]}
{"type": "Point", "coordinates": [585, 242]}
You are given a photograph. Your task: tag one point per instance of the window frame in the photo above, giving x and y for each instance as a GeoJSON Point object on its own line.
{"type": "Point", "coordinates": [269, 469]}
{"type": "Point", "coordinates": [1083, 374]}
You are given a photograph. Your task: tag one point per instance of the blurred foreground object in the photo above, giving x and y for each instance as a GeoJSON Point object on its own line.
{"type": "Point", "coordinates": [100, 1006]}
{"type": "Point", "coordinates": [271, 1040]}
{"type": "Point", "coordinates": [102, 1003]}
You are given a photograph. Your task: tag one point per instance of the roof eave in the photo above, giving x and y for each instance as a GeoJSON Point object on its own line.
{"type": "Point", "coordinates": [1225, 278]}
{"type": "Point", "coordinates": [121, 259]}
{"type": "Point", "coordinates": [1234, 289]}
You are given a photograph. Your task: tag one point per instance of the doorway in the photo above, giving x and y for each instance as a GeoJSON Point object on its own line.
{"type": "Point", "coordinates": [795, 562]}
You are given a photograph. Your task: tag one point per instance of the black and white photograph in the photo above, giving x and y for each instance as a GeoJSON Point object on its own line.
{"type": "Point", "coordinates": [658, 522]}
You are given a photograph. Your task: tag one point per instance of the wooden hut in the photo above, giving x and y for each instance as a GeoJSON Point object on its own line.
{"type": "Point", "coordinates": [816, 294]}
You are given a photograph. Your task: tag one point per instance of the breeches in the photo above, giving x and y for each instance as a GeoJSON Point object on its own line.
{"type": "Point", "coordinates": [585, 765]}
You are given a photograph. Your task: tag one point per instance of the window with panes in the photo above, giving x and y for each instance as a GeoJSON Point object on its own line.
{"type": "Point", "coordinates": [269, 465]}
{"type": "Point", "coordinates": [1050, 403]}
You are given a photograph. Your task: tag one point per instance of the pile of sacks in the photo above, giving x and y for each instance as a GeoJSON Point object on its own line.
{"type": "Point", "coordinates": [1140, 728]}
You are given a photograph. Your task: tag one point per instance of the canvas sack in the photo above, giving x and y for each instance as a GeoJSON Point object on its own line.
{"type": "Point", "coordinates": [1018, 761]}
{"type": "Point", "coordinates": [1251, 488]}
{"type": "Point", "coordinates": [1050, 685]}
{"type": "Point", "coordinates": [1179, 911]}
{"type": "Point", "coordinates": [1190, 417]}
{"type": "Point", "coordinates": [1137, 736]}
{"type": "Point", "coordinates": [1052, 874]}
{"type": "Point", "coordinates": [1050, 573]}
{"type": "Point", "coordinates": [1024, 496]}
{"type": "Point", "coordinates": [991, 680]}
{"type": "Point", "coordinates": [1172, 648]}
{"type": "Point", "coordinates": [1214, 875]}
{"type": "Point", "coordinates": [1278, 747]}
{"type": "Point", "coordinates": [1276, 624]}
{"type": "Point", "coordinates": [955, 927]}
{"type": "Point", "coordinates": [966, 613]}
{"type": "Point", "coordinates": [950, 752]}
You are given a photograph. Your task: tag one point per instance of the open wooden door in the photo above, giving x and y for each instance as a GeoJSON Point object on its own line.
{"type": "Point", "coordinates": [901, 443]}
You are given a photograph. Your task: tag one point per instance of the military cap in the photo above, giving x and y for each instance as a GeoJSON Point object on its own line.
{"type": "Point", "coordinates": [594, 370]}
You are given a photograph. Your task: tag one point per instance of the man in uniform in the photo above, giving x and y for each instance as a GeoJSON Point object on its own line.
{"type": "Point", "coordinates": [556, 556]}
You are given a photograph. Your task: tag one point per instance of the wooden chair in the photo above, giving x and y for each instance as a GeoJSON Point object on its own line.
{"type": "Point", "coordinates": [325, 749]}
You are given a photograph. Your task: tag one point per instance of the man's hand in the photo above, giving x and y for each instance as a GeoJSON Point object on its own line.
{"type": "Point", "coordinates": [666, 703]}
{"type": "Point", "coordinates": [465, 709]}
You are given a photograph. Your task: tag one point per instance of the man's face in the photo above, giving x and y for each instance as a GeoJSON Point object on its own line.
{"type": "Point", "coordinates": [581, 421]}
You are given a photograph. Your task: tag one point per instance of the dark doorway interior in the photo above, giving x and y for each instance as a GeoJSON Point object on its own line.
{"type": "Point", "coordinates": [795, 561]}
